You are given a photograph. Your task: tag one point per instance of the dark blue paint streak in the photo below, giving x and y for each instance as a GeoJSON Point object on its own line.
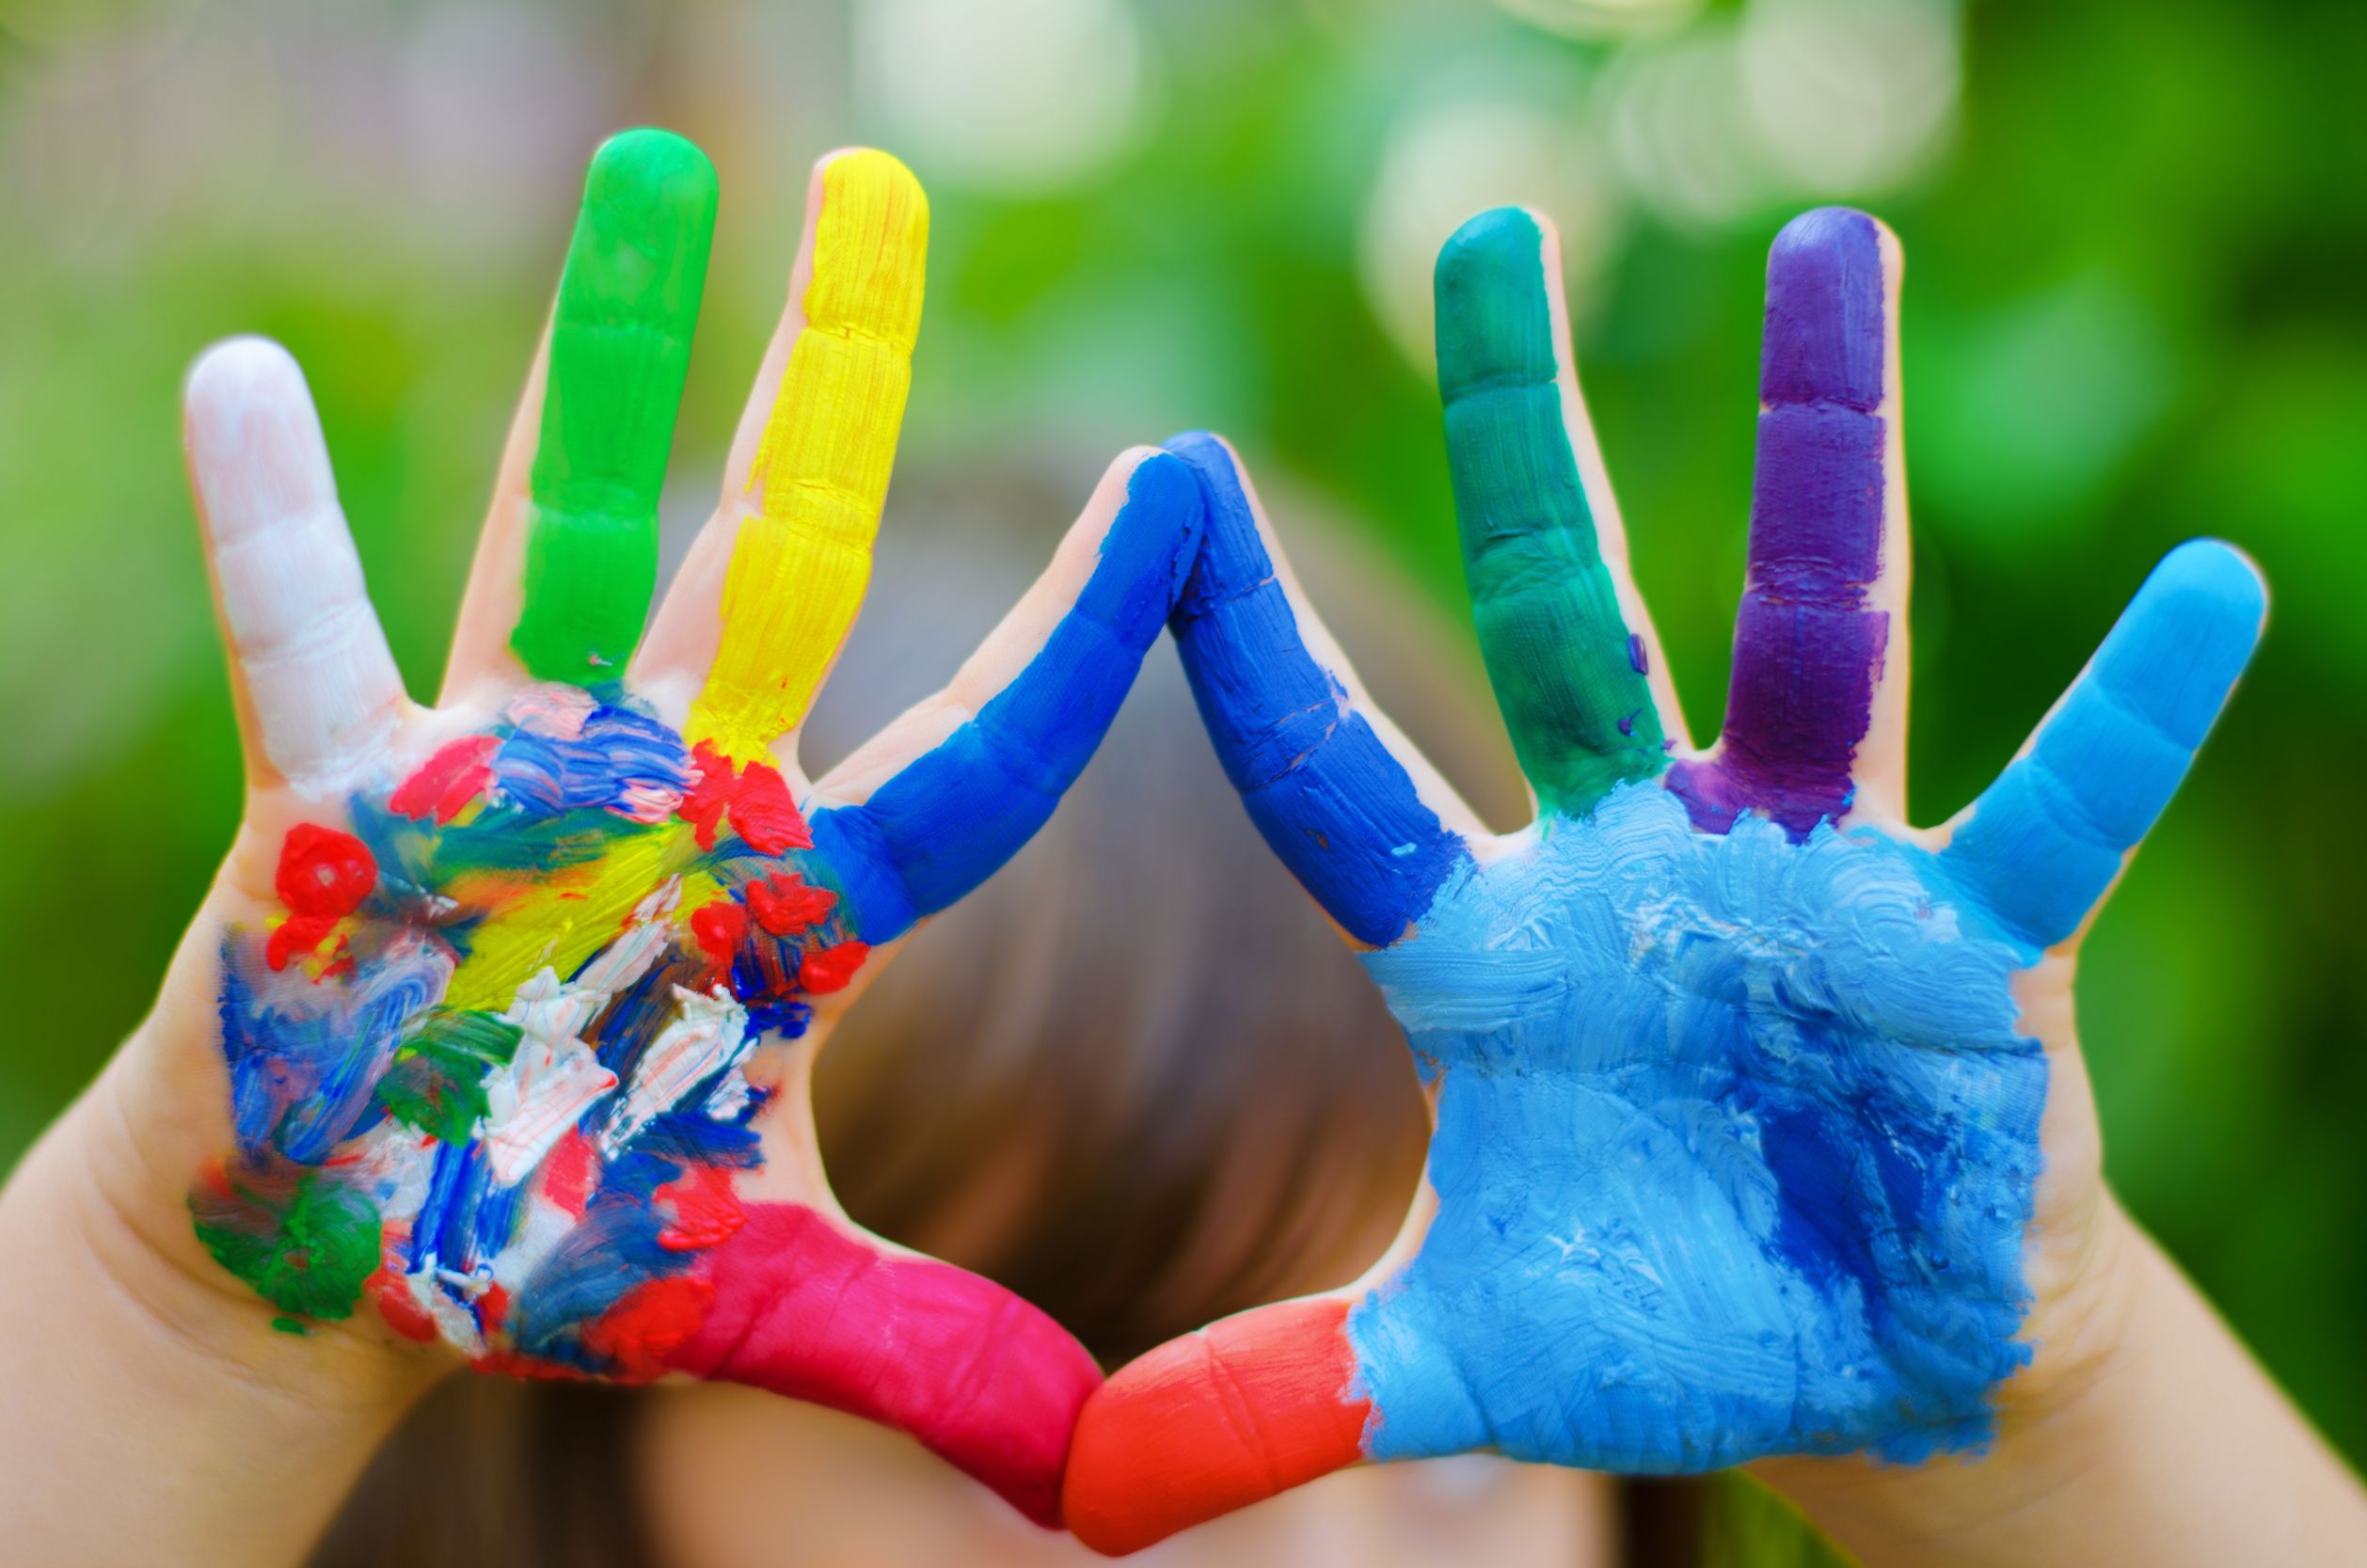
{"type": "Point", "coordinates": [617, 750]}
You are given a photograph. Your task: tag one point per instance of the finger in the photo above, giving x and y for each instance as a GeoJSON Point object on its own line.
{"type": "Point", "coordinates": [1360, 819]}
{"type": "Point", "coordinates": [1566, 642]}
{"type": "Point", "coordinates": [1246, 1408]}
{"type": "Point", "coordinates": [958, 785]}
{"type": "Point", "coordinates": [802, 1308]}
{"type": "Point", "coordinates": [802, 551]}
{"type": "Point", "coordinates": [1819, 639]}
{"type": "Point", "coordinates": [2042, 844]}
{"type": "Point", "coordinates": [318, 692]}
{"type": "Point", "coordinates": [569, 559]}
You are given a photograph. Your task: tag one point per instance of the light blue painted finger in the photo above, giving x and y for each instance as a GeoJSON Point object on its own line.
{"type": "Point", "coordinates": [2047, 838]}
{"type": "Point", "coordinates": [1335, 807]}
{"type": "Point", "coordinates": [952, 816]}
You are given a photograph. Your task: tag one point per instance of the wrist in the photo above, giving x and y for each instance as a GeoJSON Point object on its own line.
{"type": "Point", "coordinates": [153, 1410]}
{"type": "Point", "coordinates": [1968, 1508]}
{"type": "Point", "coordinates": [2141, 1432]}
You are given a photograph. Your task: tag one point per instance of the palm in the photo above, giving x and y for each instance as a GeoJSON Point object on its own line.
{"type": "Point", "coordinates": [1738, 1078]}
{"type": "Point", "coordinates": [508, 1006]}
{"type": "Point", "coordinates": [504, 1022]}
{"type": "Point", "coordinates": [1742, 1127]}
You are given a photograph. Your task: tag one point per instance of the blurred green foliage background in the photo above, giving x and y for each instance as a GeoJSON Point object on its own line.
{"type": "Point", "coordinates": [2135, 313]}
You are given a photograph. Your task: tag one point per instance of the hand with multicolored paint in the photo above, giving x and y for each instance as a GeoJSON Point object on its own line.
{"type": "Point", "coordinates": [1760, 1127]}
{"type": "Point", "coordinates": [496, 1028]}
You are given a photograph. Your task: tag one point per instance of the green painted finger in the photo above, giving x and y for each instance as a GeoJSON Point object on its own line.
{"type": "Point", "coordinates": [1567, 675]}
{"type": "Point", "coordinates": [620, 345]}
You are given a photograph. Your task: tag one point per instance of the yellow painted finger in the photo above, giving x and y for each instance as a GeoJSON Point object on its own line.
{"type": "Point", "coordinates": [802, 559]}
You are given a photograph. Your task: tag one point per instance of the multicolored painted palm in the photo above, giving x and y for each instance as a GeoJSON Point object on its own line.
{"type": "Point", "coordinates": [515, 999]}
{"type": "Point", "coordinates": [1738, 1079]}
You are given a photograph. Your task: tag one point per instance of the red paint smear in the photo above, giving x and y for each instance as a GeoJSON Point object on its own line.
{"type": "Point", "coordinates": [705, 1210]}
{"type": "Point", "coordinates": [1216, 1421]}
{"type": "Point", "coordinates": [509, 1363]}
{"type": "Point", "coordinates": [980, 1377]}
{"type": "Point", "coordinates": [396, 1307]}
{"type": "Point", "coordinates": [323, 873]}
{"type": "Point", "coordinates": [703, 805]}
{"type": "Point", "coordinates": [493, 1308]}
{"type": "Point", "coordinates": [778, 980]}
{"type": "Point", "coordinates": [215, 1176]}
{"type": "Point", "coordinates": [567, 1172]}
{"type": "Point", "coordinates": [785, 904]}
{"type": "Point", "coordinates": [298, 937]}
{"type": "Point", "coordinates": [648, 1325]}
{"type": "Point", "coordinates": [829, 969]}
{"type": "Point", "coordinates": [719, 927]}
{"type": "Point", "coordinates": [447, 782]}
{"type": "Point", "coordinates": [764, 816]}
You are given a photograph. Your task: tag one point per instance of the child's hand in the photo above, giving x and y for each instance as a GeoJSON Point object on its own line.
{"type": "Point", "coordinates": [1760, 1124]}
{"type": "Point", "coordinates": [496, 1028]}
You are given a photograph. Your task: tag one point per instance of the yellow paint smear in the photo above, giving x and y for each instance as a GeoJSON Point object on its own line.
{"type": "Point", "coordinates": [801, 561]}
{"type": "Point", "coordinates": [564, 920]}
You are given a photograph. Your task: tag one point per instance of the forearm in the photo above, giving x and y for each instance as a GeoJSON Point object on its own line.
{"type": "Point", "coordinates": [2174, 1446]}
{"type": "Point", "coordinates": [146, 1415]}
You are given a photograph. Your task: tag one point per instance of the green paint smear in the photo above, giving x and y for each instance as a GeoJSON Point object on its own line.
{"type": "Point", "coordinates": [620, 346]}
{"type": "Point", "coordinates": [304, 1244]}
{"type": "Point", "coordinates": [436, 1081]}
{"type": "Point", "coordinates": [1547, 616]}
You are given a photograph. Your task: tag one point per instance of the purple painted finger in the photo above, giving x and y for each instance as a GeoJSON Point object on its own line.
{"type": "Point", "coordinates": [1812, 631]}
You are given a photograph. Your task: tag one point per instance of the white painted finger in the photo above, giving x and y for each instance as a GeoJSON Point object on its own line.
{"type": "Point", "coordinates": [318, 691]}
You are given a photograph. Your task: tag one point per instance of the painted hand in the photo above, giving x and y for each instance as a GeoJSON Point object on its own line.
{"type": "Point", "coordinates": [496, 1027]}
{"type": "Point", "coordinates": [1739, 1081]}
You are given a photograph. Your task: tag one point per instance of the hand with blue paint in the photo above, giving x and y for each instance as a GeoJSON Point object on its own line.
{"type": "Point", "coordinates": [1760, 1127]}
{"type": "Point", "coordinates": [494, 1031]}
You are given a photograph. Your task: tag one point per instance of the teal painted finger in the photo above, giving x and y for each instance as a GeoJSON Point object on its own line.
{"type": "Point", "coordinates": [1567, 674]}
{"type": "Point", "coordinates": [620, 346]}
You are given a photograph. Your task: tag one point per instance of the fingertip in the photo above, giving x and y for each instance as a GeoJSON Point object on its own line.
{"type": "Point", "coordinates": [672, 167]}
{"type": "Point", "coordinates": [2219, 572]}
{"type": "Point", "coordinates": [868, 231]}
{"type": "Point", "coordinates": [1201, 1426]}
{"type": "Point", "coordinates": [1495, 326]}
{"type": "Point", "coordinates": [1829, 291]}
{"type": "Point", "coordinates": [1487, 246]}
{"type": "Point", "coordinates": [1160, 479]}
{"type": "Point", "coordinates": [2176, 651]}
{"type": "Point", "coordinates": [1822, 232]}
{"type": "Point", "coordinates": [238, 371]}
{"type": "Point", "coordinates": [847, 169]}
{"type": "Point", "coordinates": [1224, 483]}
{"type": "Point", "coordinates": [255, 450]}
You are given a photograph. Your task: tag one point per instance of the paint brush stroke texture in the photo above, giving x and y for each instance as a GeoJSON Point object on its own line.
{"type": "Point", "coordinates": [1735, 1135]}
{"type": "Point", "coordinates": [803, 557]}
{"type": "Point", "coordinates": [491, 1065]}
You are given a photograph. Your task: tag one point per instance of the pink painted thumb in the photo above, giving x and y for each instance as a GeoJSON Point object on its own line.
{"type": "Point", "coordinates": [983, 1380]}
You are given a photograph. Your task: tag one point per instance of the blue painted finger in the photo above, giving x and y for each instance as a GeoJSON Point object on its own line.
{"type": "Point", "coordinates": [950, 818]}
{"type": "Point", "coordinates": [2047, 838]}
{"type": "Point", "coordinates": [1335, 805]}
